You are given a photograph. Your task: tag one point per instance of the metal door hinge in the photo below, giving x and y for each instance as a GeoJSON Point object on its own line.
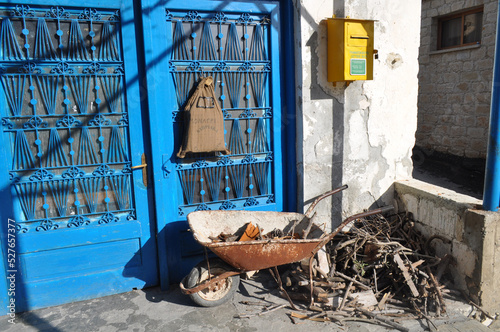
{"type": "Point", "coordinates": [144, 167]}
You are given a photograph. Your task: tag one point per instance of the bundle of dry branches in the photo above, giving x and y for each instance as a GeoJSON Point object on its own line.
{"type": "Point", "coordinates": [380, 269]}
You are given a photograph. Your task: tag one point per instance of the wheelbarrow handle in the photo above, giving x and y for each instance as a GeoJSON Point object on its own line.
{"type": "Point", "coordinates": [325, 195]}
{"type": "Point", "coordinates": [347, 221]}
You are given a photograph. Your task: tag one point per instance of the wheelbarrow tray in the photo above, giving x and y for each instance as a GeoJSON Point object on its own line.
{"type": "Point", "coordinates": [257, 254]}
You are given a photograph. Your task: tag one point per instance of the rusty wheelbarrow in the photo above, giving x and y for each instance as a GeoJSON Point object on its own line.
{"type": "Point", "coordinates": [214, 281]}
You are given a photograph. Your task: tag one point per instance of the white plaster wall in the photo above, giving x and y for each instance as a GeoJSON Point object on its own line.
{"type": "Point", "coordinates": [362, 134]}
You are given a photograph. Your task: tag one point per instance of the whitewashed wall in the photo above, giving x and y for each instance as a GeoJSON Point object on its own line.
{"type": "Point", "coordinates": [362, 134]}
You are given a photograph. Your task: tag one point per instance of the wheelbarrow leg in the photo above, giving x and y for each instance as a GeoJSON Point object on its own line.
{"type": "Point", "coordinates": [277, 277]}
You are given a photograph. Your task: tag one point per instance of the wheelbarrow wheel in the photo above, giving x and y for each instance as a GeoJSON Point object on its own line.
{"type": "Point", "coordinates": [216, 294]}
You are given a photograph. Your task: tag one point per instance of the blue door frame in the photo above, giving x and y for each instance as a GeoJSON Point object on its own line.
{"type": "Point", "coordinates": [177, 249]}
{"type": "Point", "coordinates": [70, 89]}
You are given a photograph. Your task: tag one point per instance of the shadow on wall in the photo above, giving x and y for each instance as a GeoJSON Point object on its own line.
{"type": "Point", "coordinates": [321, 90]}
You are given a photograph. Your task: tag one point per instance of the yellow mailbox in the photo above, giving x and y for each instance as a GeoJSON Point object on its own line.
{"type": "Point", "coordinates": [350, 49]}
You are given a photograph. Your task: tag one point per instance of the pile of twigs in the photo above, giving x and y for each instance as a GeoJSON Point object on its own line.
{"type": "Point", "coordinates": [391, 257]}
{"type": "Point", "coordinates": [381, 270]}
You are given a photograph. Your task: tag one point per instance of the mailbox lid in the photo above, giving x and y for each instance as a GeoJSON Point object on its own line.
{"type": "Point", "coordinates": [359, 34]}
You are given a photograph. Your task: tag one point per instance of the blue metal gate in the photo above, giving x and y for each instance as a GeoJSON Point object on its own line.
{"type": "Point", "coordinates": [69, 92]}
{"type": "Point", "coordinates": [237, 43]}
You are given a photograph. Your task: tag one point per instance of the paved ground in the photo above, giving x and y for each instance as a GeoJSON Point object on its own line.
{"type": "Point", "coordinates": [154, 310]}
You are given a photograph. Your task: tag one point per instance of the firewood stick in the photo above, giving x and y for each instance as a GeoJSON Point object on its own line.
{"type": "Point", "coordinates": [387, 321]}
{"type": "Point", "coordinates": [442, 266]}
{"type": "Point", "coordinates": [317, 291]}
{"type": "Point", "coordinates": [315, 317]}
{"type": "Point", "coordinates": [277, 277]}
{"type": "Point", "coordinates": [320, 272]}
{"type": "Point", "coordinates": [476, 306]}
{"type": "Point", "coordinates": [292, 230]}
{"type": "Point", "coordinates": [255, 303]}
{"type": "Point", "coordinates": [361, 285]}
{"type": "Point", "coordinates": [266, 311]}
{"type": "Point", "coordinates": [399, 261]}
{"type": "Point", "coordinates": [427, 318]}
{"type": "Point", "coordinates": [442, 304]}
{"type": "Point", "coordinates": [305, 233]}
{"type": "Point", "coordinates": [348, 290]}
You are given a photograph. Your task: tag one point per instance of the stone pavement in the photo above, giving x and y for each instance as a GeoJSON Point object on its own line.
{"type": "Point", "coordinates": [154, 310]}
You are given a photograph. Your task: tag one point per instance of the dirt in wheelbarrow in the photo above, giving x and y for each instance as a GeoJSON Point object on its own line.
{"type": "Point", "coordinates": [382, 270]}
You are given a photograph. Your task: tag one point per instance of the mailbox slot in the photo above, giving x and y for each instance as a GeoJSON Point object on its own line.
{"type": "Point", "coordinates": [357, 35]}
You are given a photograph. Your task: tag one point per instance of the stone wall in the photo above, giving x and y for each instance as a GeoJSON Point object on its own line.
{"type": "Point", "coordinates": [360, 134]}
{"type": "Point", "coordinates": [470, 236]}
{"type": "Point", "coordinates": [455, 84]}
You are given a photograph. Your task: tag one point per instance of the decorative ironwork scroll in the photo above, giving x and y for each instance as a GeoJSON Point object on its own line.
{"type": "Point", "coordinates": [62, 77]}
{"type": "Point", "coordinates": [234, 49]}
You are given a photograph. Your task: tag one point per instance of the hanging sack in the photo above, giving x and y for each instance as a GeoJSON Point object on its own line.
{"type": "Point", "coordinates": [204, 122]}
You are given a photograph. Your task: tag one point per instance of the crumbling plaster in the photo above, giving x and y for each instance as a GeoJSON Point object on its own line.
{"type": "Point", "coordinates": [359, 134]}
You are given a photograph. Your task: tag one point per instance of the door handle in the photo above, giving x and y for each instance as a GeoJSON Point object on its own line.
{"type": "Point", "coordinates": [144, 167]}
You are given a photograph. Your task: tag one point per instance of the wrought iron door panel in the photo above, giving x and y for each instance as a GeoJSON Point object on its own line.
{"type": "Point", "coordinates": [66, 123]}
{"type": "Point", "coordinates": [237, 43]}
{"type": "Point", "coordinates": [66, 120]}
{"type": "Point", "coordinates": [233, 48]}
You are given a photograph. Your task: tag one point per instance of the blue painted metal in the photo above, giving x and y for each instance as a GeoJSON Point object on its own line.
{"type": "Point", "coordinates": [236, 139]}
{"type": "Point", "coordinates": [66, 102]}
{"type": "Point", "coordinates": [80, 87]}
{"type": "Point", "coordinates": [10, 46]}
{"type": "Point", "coordinates": [43, 42]}
{"type": "Point", "coordinates": [244, 117]}
{"type": "Point", "coordinates": [47, 86]}
{"type": "Point", "coordinates": [288, 96]}
{"type": "Point", "coordinates": [238, 43]}
{"type": "Point", "coordinates": [491, 197]}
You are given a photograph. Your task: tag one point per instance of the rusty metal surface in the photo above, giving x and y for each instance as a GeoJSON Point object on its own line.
{"type": "Point", "coordinates": [311, 208]}
{"type": "Point", "coordinates": [209, 224]}
{"type": "Point", "coordinates": [330, 236]}
{"type": "Point", "coordinates": [207, 283]}
{"type": "Point", "coordinates": [259, 255]}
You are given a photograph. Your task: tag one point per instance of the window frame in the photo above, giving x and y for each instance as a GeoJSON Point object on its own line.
{"type": "Point", "coordinates": [461, 14]}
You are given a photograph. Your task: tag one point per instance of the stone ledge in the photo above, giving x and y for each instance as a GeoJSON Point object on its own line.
{"type": "Point", "coordinates": [455, 49]}
{"type": "Point", "coordinates": [450, 198]}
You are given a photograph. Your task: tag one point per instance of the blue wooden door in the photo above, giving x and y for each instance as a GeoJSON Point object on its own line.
{"type": "Point", "coordinates": [237, 43]}
{"type": "Point", "coordinates": [71, 132]}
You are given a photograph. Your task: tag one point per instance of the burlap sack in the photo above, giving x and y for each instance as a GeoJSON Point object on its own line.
{"type": "Point", "coordinates": [204, 122]}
